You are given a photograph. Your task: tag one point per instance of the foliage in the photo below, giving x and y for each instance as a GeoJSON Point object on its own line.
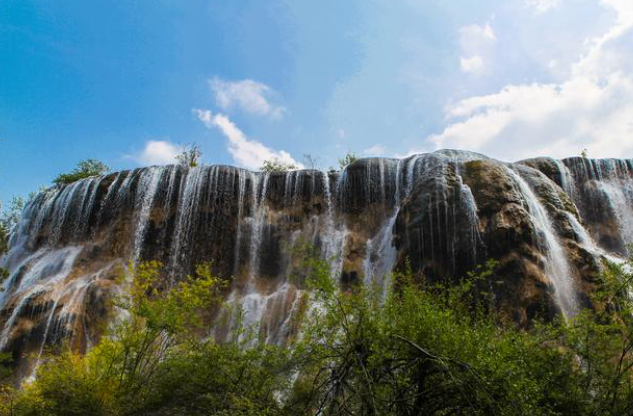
{"type": "Point", "coordinates": [190, 155]}
{"type": "Point", "coordinates": [423, 349]}
{"type": "Point", "coordinates": [420, 351]}
{"type": "Point", "coordinates": [276, 165]}
{"type": "Point", "coordinates": [9, 218]}
{"type": "Point", "coordinates": [602, 342]}
{"type": "Point", "coordinates": [85, 169]}
{"type": "Point", "coordinates": [349, 158]}
{"type": "Point", "coordinates": [8, 221]}
{"type": "Point", "coordinates": [155, 362]}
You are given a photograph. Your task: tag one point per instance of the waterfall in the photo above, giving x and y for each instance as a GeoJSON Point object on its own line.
{"type": "Point", "coordinates": [258, 222]}
{"type": "Point", "coordinates": [333, 236]}
{"type": "Point", "coordinates": [241, 195]}
{"type": "Point", "coordinates": [365, 220]}
{"type": "Point", "coordinates": [381, 255]}
{"type": "Point", "coordinates": [556, 265]}
{"type": "Point", "coordinates": [603, 191]}
{"type": "Point", "coordinates": [185, 220]}
{"type": "Point", "coordinates": [44, 272]}
{"type": "Point", "coordinates": [148, 186]}
{"type": "Point", "coordinates": [583, 236]}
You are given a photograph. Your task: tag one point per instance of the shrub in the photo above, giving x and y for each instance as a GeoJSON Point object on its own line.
{"type": "Point", "coordinates": [276, 165]}
{"type": "Point", "coordinates": [85, 169]}
{"type": "Point", "coordinates": [190, 156]}
{"type": "Point", "coordinates": [424, 349]}
{"type": "Point", "coordinates": [349, 158]}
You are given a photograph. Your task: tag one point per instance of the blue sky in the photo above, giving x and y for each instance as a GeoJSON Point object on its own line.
{"type": "Point", "coordinates": [129, 82]}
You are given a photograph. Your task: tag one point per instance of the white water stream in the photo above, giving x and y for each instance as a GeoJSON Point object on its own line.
{"type": "Point", "coordinates": [556, 265]}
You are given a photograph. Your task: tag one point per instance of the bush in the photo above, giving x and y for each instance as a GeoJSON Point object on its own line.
{"type": "Point", "coordinates": [190, 156]}
{"type": "Point", "coordinates": [349, 158]}
{"type": "Point", "coordinates": [424, 349]}
{"type": "Point", "coordinates": [276, 165]}
{"type": "Point", "coordinates": [8, 220]}
{"type": "Point", "coordinates": [85, 169]}
{"type": "Point", "coordinates": [155, 362]}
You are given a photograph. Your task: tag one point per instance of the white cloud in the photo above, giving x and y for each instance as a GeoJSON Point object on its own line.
{"type": "Point", "coordinates": [246, 153]}
{"type": "Point", "coordinates": [542, 6]}
{"type": "Point", "coordinates": [247, 95]}
{"type": "Point", "coordinates": [591, 108]}
{"type": "Point", "coordinates": [476, 33]}
{"type": "Point", "coordinates": [476, 43]}
{"type": "Point", "coordinates": [376, 150]}
{"type": "Point", "coordinates": [157, 152]}
{"type": "Point", "coordinates": [473, 64]}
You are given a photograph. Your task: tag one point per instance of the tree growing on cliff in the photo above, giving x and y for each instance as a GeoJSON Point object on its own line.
{"type": "Point", "coordinates": [349, 158]}
{"type": "Point", "coordinates": [190, 155]}
{"type": "Point", "coordinates": [9, 218]}
{"type": "Point", "coordinates": [276, 165]}
{"type": "Point", "coordinates": [85, 169]}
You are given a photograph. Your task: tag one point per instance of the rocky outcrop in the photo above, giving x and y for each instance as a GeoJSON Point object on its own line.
{"type": "Point", "coordinates": [546, 222]}
{"type": "Point", "coordinates": [461, 213]}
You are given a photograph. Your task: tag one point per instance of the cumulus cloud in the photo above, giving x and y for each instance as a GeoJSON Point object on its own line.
{"type": "Point", "coordinates": [472, 64]}
{"type": "Point", "coordinates": [475, 42]}
{"type": "Point", "coordinates": [592, 108]}
{"type": "Point", "coordinates": [246, 95]}
{"type": "Point", "coordinates": [157, 152]}
{"type": "Point", "coordinates": [246, 153]}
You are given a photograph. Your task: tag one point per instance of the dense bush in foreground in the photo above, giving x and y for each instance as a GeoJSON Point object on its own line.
{"type": "Point", "coordinates": [423, 350]}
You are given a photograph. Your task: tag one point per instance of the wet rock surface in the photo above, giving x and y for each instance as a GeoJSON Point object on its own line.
{"type": "Point", "coordinates": [546, 222]}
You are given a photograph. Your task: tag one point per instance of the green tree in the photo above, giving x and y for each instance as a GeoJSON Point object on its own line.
{"type": "Point", "coordinates": [424, 348]}
{"type": "Point", "coordinates": [190, 155]}
{"type": "Point", "coordinates": [10, 218]}
{"type": "Point", "coordinates": [85, 169]}
{"type": "Point", "coordinates": [8, 221]}
{"type": "Point", "coordinates": [276, 165]}
{"type": "Point", "coordinates": [349, 158]}
{"type": "Point", "coordinates": [156, 361]}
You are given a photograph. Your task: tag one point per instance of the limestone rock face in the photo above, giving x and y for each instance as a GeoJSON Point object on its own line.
{"type": "Point", "coordinates": [546, 222]}
{"type": "Point", "coordinates": [460, 214]}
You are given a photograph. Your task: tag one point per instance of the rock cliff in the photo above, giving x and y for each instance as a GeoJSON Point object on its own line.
{"type": "Point", "coordinates": [548, 223]}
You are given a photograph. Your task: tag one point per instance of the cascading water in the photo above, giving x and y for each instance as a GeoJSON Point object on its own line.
{"type": "Point", "coordinates": [556, 265]}
{"type": "Point", "coordinates": [334, 234]}
{"type": "Point", "coordinates": [603, 191]}
{"type": "Point", "coordinates": [148, 186]}
{"type": "Point", "coordinates": [45, 272]}
{"type": "Point", "coordinates": [368, 219]}
{"type": "Point", "coordinates": [441, 215]}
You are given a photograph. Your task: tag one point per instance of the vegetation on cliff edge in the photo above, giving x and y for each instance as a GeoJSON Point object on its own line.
{"type": "Point", "coordinates": [85, 169]}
